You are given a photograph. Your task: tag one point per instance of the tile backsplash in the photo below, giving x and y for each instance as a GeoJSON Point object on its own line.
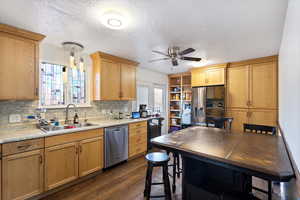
{"type": "Point", "coordinates": [99, 109]}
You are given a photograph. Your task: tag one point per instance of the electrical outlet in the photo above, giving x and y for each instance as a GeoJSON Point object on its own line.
{"type": "Point", "coordinates": [14, 118]}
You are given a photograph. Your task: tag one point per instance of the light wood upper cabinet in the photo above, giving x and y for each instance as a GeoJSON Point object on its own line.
{"type": "Point", "coordinates": [114, 78]}
{"type": "Point", "coordinates": [198, 77]}
{"type": "Point", "coordinates": [215, 76]}
{"type": "Point", "coordinates": [263, 85]}
{"type": "Point", "coordinates": [23, 175]}
{"type": "Point", "coordinates": [252, 86]}
{"type": "Point", "coordinates": [61, 164]}
{"type": "Point", "coordinates": [19, 60]}
{"type": "Point", "coordinates": [128, 82]}
{"type": "Point", "coordinates": [238, 87]}
{"type": "Point", "coordinates": [208, 76]}
{"type": "Point", "coordinates": [110, 84]}
{"type": "Point", "coordinates": [90, 156]}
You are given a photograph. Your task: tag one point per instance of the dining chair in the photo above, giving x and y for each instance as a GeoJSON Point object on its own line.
{"type": "Point", "coordinates": [262, 129]}
{"type": "Point", "coordinates": [220, 122]}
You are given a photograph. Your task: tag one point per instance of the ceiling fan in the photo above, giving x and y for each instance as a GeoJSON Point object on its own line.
{"type": "Point", "coordinates": [174, 54]}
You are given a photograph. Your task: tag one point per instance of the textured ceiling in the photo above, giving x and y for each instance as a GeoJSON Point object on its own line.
{"type": "Point", "coordinates": [220, 30]}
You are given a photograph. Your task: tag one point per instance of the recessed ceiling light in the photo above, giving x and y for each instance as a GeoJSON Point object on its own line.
{"type": "Point", "coordinates": [113, 20]}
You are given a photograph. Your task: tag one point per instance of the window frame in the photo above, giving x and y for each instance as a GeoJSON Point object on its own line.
{"type": "Point", "coordinates": [67, 89]}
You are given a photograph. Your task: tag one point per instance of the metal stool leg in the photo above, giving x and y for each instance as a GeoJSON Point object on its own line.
{"type": "Point", "coordinates": [178, 165]}
{"type": "Point", "coordinates": [148, 181]}
{"type": "Point", "coordinates": [269, 190]}
{"type": "Point", "coordinates": [174, 174]}
{"type": "Point", "coordinates": [166, 182]}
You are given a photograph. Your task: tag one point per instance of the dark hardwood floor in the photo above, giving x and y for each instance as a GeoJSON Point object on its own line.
{"type": "Point", "coordinates": [126, 182]}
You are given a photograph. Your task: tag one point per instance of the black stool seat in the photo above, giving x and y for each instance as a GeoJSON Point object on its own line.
{"type": "Point", "coordinates": [157, 159]}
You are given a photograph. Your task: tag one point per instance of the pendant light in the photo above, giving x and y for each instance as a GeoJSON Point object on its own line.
{"type": "Point", "coordinates": [75, 49]}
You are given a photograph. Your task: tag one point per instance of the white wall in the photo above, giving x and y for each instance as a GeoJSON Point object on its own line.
{"type": "Point", "coordinates": [289, 80]}
{"type": "Point", "coordinates": [151, 79]}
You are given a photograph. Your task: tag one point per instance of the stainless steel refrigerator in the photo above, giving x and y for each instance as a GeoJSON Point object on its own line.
{"type": "Point", "coordinates": [207, 102]}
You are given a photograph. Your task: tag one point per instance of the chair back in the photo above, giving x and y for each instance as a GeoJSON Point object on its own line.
{"type": "Point", "coordinates": [261, 129]}
{"type": "Point", "coordinates": [220, 122]}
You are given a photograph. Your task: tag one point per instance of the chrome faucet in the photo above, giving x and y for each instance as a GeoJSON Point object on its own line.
{"type": "Point", "coordinates": [67, 121]}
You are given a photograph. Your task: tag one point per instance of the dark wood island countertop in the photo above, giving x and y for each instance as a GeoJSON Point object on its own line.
{"type": "Point", "coordinates": [258, 155]}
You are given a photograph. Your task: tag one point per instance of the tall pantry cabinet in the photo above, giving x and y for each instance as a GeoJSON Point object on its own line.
{"type": "Point", "coordinates": [251, 95]}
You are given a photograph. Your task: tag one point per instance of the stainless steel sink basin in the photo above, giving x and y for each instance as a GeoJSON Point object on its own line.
{"type": "Point", "coordinates": [51, 128]}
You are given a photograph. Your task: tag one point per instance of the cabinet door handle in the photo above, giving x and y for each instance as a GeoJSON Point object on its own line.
{"type": "Point", "coordinates": [23, 147]}
{"type": "Point", "coordinates": [36, 91]}
{"type": "Point", "coordinates": [76, 150]}
{"type": "Point", "coordinates": [80, 149]}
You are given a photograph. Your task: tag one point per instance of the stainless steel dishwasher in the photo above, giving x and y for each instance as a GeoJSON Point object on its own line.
{"type": "Point", "coordinates": [116, 145]}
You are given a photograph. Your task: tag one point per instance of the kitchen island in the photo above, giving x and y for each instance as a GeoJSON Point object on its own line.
{"type": "Point", "coordinates": [219, 164]}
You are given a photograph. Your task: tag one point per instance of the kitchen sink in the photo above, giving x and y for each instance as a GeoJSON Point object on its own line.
{"type": "Point", "coordinates": [51, 128]}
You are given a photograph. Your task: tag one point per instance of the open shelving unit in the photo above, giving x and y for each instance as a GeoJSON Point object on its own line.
{"type": "Point", "coordinates": [180, 93]}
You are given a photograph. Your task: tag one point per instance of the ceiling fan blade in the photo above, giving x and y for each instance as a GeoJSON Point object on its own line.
{"type": "Point", "coordinates": [161, 53]}
{"type": "Point", "coordinates": [186, 51]}
{"type": "Point", "coordinates": [191, 59]}
{"type": "Point", "coordinates": [174, 62]}
{"type": "Point", "coordinates": [158, 59]}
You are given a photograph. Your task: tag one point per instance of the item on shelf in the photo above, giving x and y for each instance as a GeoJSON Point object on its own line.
{"type": "Point", "coordinates": [177, 97]}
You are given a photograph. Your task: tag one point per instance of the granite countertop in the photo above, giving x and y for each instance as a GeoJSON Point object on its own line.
{"type": "Point", "coordinates": [14, 135]}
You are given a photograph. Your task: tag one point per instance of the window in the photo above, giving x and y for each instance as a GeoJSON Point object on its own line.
{"type": "Point", "coordinates": [158, 100]}
{"type": "Point", "coordinates": [78, 87]}
{"type": "Point", "coordinates": [60, 85]}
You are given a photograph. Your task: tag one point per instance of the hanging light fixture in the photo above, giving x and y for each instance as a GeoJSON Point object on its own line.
{"type": "Point", "coordinates": [75, 49]}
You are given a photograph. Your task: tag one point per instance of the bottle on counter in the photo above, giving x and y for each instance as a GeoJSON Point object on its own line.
{"type": "Point", "coordinates": [76, 119]}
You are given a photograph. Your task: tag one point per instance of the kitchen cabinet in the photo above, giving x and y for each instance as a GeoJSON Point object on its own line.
{"type": "Point", "coordinates": [137, 138]}
{"type": "Point", "coordinates": [263, 117]}
{"type": "Point", "coordinates": [90, 156]}
{"type": "Point", "coordinates": [23, 175]}
{"type": "Point", "coordinates": [208, 76]}
{"type": "Point", "coordinates": [263, 85]}
{"type": "Point", "coordinates": [128, 82]}
{"type": "Point", "coordinates": [61, 164]}
{"type": "Point", "coordinates": [252, 86]}
{"type": "Point", "coordinates": [240, 117]}
{"type": "Point", "coordinates": [114, 78]}
{"type": "Point", "coordinates": [19, 60]}
{"type": "Point", "coordinates": [251, 116]}
{"type": "Point", "coordinates": [70, 156]}
{"type": "Point", "coordinates": [237, 87]}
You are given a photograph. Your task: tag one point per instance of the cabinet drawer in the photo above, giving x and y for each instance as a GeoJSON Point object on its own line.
{"type": "Point", "coordinates": [137, 149]}
{"type": "Point", "coordinates": [138, 125]}
{"type": "Point", "coordinates": [72, 137]}
{"type": "Point", "coordinates": [138, 131]}
{"type": "Point", "coordinates": [137, 139]}
{"type": "Point", "coordinates": [22, 146]}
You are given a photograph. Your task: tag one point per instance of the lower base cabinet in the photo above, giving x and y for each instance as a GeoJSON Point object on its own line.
{"type": "Point", "coordinates": [61, 163]}
{"type": "Point", "coordinates": [251, 116]}
{"type": "Point", "coordinates": [90, 155]}
{"type": "Point", "coordinates": [71, 160]}
{"type": "Point", "coordinates": [23, 175]}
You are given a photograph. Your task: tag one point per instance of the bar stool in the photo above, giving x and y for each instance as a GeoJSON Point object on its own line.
{"type": "Point", "coordinates": [176, 170]}
{"type": "Point", "coordinates": [157, 159]}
